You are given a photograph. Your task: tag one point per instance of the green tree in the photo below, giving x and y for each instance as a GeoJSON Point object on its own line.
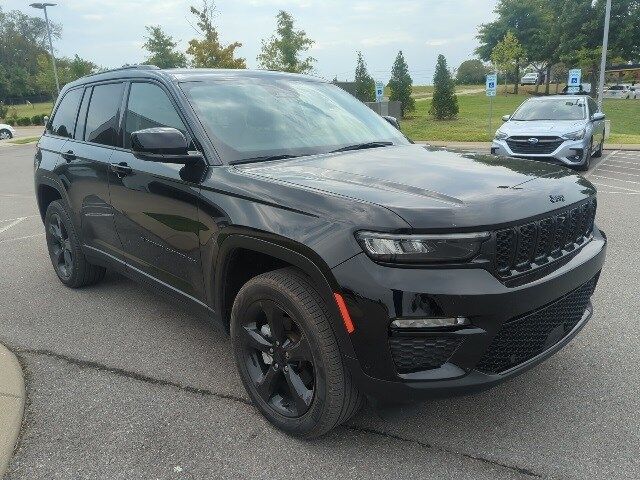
{"type": "Point", "coordinates": [162, 49]}
{"type": "Point", "coordinates": [471, 72]}
{"type": "Point", "coordinates": [283, 50]}
{"type": "Point", "coordinates": [444, 104]}
{"type": "Point", "coordinates": [69, 69]}
{"type": "Point", "coordinates": [365, 85]}
{"type": "Point", "coordinates": [506, 56]}
{"type": "Point", "coordinates": [208, 52]}
{"type": "Point", "coordinates": [401, 85]}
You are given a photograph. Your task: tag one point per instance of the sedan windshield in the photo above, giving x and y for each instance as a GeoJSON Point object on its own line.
{"type": "Point", "coordinates": [264, 118]}
{"type": "Point", "coordinates": [551, 109]}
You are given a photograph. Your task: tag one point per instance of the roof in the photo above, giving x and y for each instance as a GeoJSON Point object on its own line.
{"type": "Point", "coordinates": [185, 74]}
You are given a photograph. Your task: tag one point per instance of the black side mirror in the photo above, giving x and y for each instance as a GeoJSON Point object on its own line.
{"type": "Point", "coordinates": [162, 144]}
{"type": "Point", "coordinates": [392, 120]}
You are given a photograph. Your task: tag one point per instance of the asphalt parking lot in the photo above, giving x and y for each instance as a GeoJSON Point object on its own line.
{"type": "Point", "coordinates": [123, 383]}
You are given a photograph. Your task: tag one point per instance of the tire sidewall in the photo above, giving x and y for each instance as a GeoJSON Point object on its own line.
{"type": "Point", "coordinates": [10, 136]}
{"type": "Point", "coordinates": [57, 207]}
{"type": "Point", "coordinates": [255, 291]}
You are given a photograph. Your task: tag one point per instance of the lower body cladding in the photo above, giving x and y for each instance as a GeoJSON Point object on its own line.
{"type": "Point", "coordinates": [569, 153]}
{"type": "Point", "coordinates": [506, 330]}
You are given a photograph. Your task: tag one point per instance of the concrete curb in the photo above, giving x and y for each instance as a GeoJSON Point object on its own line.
{"type": "Point", "coordinates": [12, 398]}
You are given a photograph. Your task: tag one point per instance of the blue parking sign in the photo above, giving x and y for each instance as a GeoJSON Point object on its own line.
{"type": "Point", "coordinates": [492, 84]}
{"type": "Point", "coordinates": [575, 79]}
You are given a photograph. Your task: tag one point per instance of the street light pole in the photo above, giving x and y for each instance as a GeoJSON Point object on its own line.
{"type": "Point", "coordinates": [43, 6]}
{"type": "Point", "coordinates": [603, 58]}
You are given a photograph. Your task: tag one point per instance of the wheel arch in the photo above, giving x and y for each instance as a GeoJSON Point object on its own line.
{"type": "Point", "coordinates": [47, 192]}
{"type": "Point", "coordinates": [281, 253]}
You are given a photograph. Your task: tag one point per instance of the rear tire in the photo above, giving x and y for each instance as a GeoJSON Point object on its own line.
{"type": "Point", "coordinates": [63, 243]}
{"type": "Point", "coordinates": [303, 395]}
{"type": "Point", "coordinates": [5, 134]}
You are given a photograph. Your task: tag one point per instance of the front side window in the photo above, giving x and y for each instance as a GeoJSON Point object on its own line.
{"type": "Point", "coordinates": [64, 120]}
{"type": "Point", "coordinates": [148, 107]}
{"type": "Point", "coordinates": [253, 118]}
{"type": "Point", "coordinates": [102, 116]}
{"type": "Point", "coordinates": [551, 109]}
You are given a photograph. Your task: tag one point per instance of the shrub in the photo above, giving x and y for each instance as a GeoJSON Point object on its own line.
{"type": "Point", "coordinates": [401, 85]}
{"type": "Point", "coordinates": [23, 121]}
{"type": "Point", "coordinates": [3, 110]}
{"type": "Point", "coordinates": [38, 119]}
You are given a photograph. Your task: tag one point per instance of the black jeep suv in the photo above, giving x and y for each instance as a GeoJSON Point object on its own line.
{"type": "Point", "coordinates": [345, 261]}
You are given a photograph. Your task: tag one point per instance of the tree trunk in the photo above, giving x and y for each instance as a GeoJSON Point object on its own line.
{"type": "Point", "coordinates": [547, 80]}
{"type": "Point", "coordinates": [515, 86]}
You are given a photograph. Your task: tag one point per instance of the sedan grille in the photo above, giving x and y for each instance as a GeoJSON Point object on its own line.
{"type": "Point", "coordinates": [534, 145]}
{"type": "Point", "coordinates": [526, 247]}
{"type": "Point", "coordinates": [523, 338]}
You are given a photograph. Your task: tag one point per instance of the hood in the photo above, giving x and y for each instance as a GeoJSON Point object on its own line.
{"type": "Point", "coordinates": [542, 127]}
{"type": "Point", "coordinates": [434, 188]}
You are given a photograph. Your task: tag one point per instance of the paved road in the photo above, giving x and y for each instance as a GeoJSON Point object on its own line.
{"type": "Point", "coordinates": [122, 383]}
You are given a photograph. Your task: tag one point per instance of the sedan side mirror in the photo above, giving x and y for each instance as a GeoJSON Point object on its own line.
{"type": "Point", "coordinates": [505, 118]}
{"type": "Point", "coordinates": [162, 144]}
{"type": "Point", "coordinates": [597, 116]}
{"type": "Point", "coordinates": [392, 120]}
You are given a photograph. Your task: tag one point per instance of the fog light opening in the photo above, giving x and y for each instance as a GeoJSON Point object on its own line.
{"type": "Point", "coordinates": [434, 322]}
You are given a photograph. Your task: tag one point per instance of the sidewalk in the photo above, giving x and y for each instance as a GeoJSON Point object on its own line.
{"type": "Point", "coordinates": [12, 397]}
{"type": "Point", "coordinates": [487, 145]}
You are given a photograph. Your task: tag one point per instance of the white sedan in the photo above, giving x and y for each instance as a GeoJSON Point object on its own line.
{"type": "Point", "coordinates": [618, 91]}
{"type": "Point", "coordinates": [6, 131]}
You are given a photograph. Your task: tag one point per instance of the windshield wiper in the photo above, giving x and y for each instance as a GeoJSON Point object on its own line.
{"type": "Point", "coordinates": [362, 146]}
{"type": "Point", "coordinates": [264, 158]}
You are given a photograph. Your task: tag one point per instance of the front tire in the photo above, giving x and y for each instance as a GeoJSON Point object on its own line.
{"type": "Point", "coordinates": [5, 134]}
{"type": "Point", "coordinates": [63, 243]}
{"type": "Point", "coordinates": [288, 357]}
{"type": "Point", "coordinates": [587, 161]}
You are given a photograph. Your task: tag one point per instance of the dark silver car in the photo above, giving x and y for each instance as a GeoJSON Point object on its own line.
{"type": "Point", "coordinates": [564, 129]}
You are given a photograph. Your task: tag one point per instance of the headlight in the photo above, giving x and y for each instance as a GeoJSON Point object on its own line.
{"type": "Point", "coordinates": [438, 248]}
{"type": "Point", "coordinates": [579, 135]}
{"type": "Point", "coordinates": [501, 135]}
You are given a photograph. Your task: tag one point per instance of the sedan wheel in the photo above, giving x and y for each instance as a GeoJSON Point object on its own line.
{"type": "Point", "coordinates": [5, 134]}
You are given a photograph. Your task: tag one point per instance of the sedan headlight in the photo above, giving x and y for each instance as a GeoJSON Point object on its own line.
{"type": "Point", "coordinates": [579, 135]}
{"type": "Point", "coordinates": [501, 135]}
{"type": "Point", "coordinates": [437, 248]}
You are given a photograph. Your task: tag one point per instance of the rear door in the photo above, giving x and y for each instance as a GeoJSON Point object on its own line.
{"type": "Point", "coordinates": [156, 204]}
{"type": "Point", "coordinates": [86, 166]}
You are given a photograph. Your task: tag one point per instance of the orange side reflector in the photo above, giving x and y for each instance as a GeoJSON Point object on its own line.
{"type": "Point", "coordinates": [344, 313]}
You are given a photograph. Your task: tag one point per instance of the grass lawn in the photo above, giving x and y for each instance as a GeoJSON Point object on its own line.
{"type": "Point", "coordinates": [24, 140]}
{"type": "Point", "coordinates": [33, 109]}
{"type": "Point", "coordinates": [472, 124]}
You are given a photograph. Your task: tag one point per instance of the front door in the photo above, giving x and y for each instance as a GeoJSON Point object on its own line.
{"type": "Point", "coordinates": [156, 204]}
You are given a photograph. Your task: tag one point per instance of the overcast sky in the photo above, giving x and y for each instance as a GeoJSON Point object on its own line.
{"type": "Point", "coordinates": [110, 32]}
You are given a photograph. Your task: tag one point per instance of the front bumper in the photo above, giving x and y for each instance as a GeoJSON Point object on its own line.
{"type": "Point", "coordinates": [377, 294]}
{"type": "Point", "coordinates": [571, 153]}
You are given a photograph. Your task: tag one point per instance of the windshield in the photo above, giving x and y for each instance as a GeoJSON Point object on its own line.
{"type": "Point", "coordinates": [258, 118]}
{"type": "Point", "coordinates": [551, 109]}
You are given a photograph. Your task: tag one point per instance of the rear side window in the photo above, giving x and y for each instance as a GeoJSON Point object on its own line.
{"type": "Point", "coordinates": [64, 120]}
{"type": "Point", "coordinates": [149, 106]}
{"type": "Point", "coordinates": [102, 116]}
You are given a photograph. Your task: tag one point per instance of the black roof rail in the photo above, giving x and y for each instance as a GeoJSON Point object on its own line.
{"type": "Point", "coordinates": [126, 67]}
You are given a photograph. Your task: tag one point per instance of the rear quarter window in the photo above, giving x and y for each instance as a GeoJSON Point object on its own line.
{"type": "Point", "coordinates": [63, 122]}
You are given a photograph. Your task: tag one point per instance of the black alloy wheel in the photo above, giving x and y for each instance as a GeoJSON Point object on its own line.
{"type": "Point", "coordinates": [278, 358]}
{"type": "Point", "coordinates": [60, 247]}
{"type": "Point", "coordinates": [288, 356]}
{"type": "Point", "coordinates": [64, 245]}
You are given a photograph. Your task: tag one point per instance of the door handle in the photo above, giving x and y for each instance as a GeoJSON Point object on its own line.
{"type": "Point", "coordinates": [121, 169]}
{"type": "Point", "coordinates": [69, 155]}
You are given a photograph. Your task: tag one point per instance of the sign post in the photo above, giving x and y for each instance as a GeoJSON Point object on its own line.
{"type": "Point", "coordinates": [379, 92]}
{"type": "Point", "coordinates": [575, 80]}
{"type": "Point", "coordinates": [491, 89]}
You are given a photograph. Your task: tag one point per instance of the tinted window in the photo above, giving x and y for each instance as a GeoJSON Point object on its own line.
{"type": "Point", "coordinates": [149, 106]}
{"type": "Point", "coordinates": [593, 106]}
{"type": "Point", "coordinates": [102, 116]}
{"type": "Point", "coordinates": [64, 120]}
{"type": "Point", "coordinates": [82, 115]}
{"type": "Point", "coordinates": [551, 109]}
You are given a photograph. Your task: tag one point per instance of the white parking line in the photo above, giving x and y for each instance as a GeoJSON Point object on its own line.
{"type": "Point", "coordinates": [615, 187]}
{"type": "Point", "coordinates": [12, 224]}
{"type": "Point", "coordinates": [626, 167]}
{"type": "Point", "coordinates": [626, 163]}
{"type": "Point", "coordinates": [17, 218]}
{"type": "Point", "coordinates": [21, 238]}
{"type": "Point", "coordinates": [619, 173]}
{"type": "Point", "coordinates": [616, 179]}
